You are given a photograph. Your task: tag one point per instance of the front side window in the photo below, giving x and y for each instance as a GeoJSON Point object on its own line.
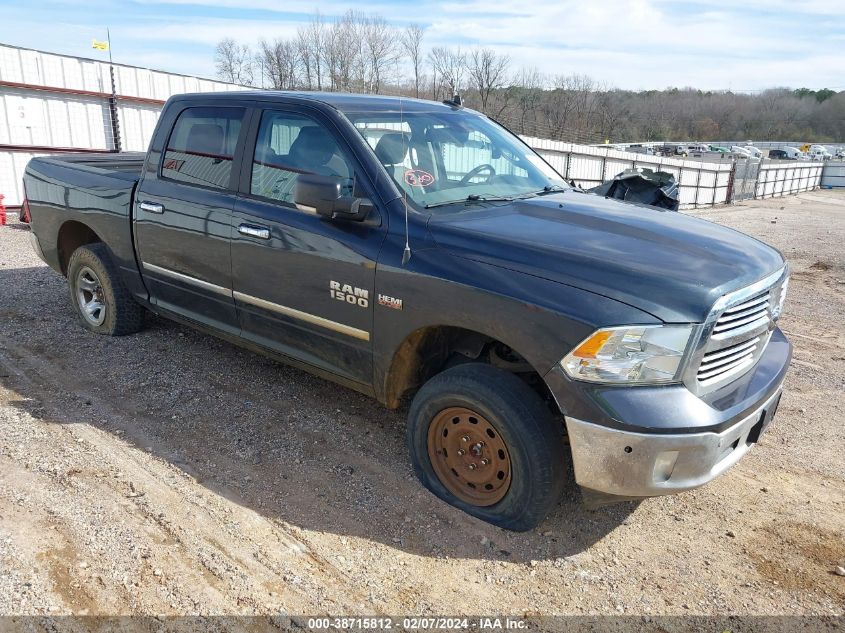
{"type": "Point", "coordinates": [202, 146]}
{"type": "Point", "coordinates": [450, 156]}
{"type": "Point", "coordinates": [289, 145]}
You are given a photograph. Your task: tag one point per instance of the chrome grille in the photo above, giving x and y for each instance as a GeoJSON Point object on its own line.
{"type": "Point", "coordinates": [737, 333]}
{"type": "Point", "coordinates": [716, 366]}
{"type": "Point", "coordinates": [748, 315]}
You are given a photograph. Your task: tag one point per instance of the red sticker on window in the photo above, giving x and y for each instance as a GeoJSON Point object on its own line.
{"type": "Point", "coordinates": [418, 178]}
{"type": "Point", "coordinates": [173, 164]}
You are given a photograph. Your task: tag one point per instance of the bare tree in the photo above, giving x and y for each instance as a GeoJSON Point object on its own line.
{"type": "Point", "coordinates": [610, 113]}
{"type": "Point", "coordinates": [280, 62]}
{"type": "Point", "coordinates": [361, 53]}
{"type": "Point", "coordinates": [567, 105]}
{"type": "Point", "coordinates": [379, 44]}
{"type": "Point", "coordinates": [488, 72]}
{"type": "Point", "coordinates": [448, 66]}
{"type": "Point", "coordinates": [306, 57]}
{"type": "Point", "coordinates": [339, 49]}
{"type": "Point", "coordinates": [528, 85]}
{"type": "Point", "coordinates": [315, 35]}
{"type": "Point", "coordinates": [412, 43]}
{"type": "Point", "coordinates": [234, 62]}
{"type": "Point", "coordinates": [310, 45]}
{"type": "Point", "coordinates": [359, 57]}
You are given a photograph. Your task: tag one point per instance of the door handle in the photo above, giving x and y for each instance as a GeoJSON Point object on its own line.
{"type": "Point", "coordinates": [151, 207]}
{"type": "Point", "coordinates": [261, 232]}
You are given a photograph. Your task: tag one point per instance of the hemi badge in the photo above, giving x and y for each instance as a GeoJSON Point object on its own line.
{"type": "Point", "coordinates": [390, 302]}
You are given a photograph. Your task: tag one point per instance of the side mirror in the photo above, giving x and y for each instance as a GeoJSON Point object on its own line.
{"type": "Point", "coordinates": [324, 195]}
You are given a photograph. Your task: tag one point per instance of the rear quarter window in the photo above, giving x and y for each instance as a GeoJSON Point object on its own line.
{"type": "Point", "coordinates": [201, 146]}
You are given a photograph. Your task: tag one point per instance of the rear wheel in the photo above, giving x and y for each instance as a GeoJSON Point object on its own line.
{"type": "Point", "coordinates": [484, 441]}
{"type": "Point", "coordinates": [103, 303]}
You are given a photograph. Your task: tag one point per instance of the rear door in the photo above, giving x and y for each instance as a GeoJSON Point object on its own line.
{"type": "Point", "coordinates": [183, 215]}
{"type": "Point", "coordinates": [304, 285]}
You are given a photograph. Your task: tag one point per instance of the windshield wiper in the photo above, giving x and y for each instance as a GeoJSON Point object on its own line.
{"type": "Point", "coordinates": [551, 189]}
{"type": "Point", "coordinates": [470, 198]}
{"type": "Point", "coordinates": [545, 190]}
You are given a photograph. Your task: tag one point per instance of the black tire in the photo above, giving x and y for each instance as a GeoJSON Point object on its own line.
{"type": "Point", "coordinates": [91, 273]}
{"type": "Point", "coordinates": [534, 440]}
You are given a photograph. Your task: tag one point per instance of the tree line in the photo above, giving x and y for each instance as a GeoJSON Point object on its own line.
{"type": "Point", "coordinates": [359, 52]}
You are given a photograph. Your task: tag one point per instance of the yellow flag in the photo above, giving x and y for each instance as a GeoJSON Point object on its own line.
{"type": "Point", "coordinates": [100, 46]}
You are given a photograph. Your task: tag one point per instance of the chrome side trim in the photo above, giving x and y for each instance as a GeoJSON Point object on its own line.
{"type": "Point", "coordinates": [199, 283]}
{"type": "Point", "coordinates": [348, 330]}
{"type": "Point", "coordinates": [303, 316]}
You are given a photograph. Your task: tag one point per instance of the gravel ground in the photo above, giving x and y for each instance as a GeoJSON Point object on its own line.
{"type": "Point", "coordinates": [172, 473]}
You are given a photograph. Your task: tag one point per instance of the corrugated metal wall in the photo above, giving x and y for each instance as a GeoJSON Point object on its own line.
{"type": "Point", "coordinates": [49, 119]}
{"type": "Point", "coordinates": [54, 102]}
{"type": "Point", "coordinates": [701, 184]}
{"type": "Point", "coordinates": [781, 178]}
{"type": "Point", "coordinates": [834, 174]}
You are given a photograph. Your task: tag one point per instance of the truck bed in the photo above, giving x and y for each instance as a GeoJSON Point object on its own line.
{"type": "Point", "coordinates": [92, 190]}
{"type": "Point", "coordinates": [123, 165]}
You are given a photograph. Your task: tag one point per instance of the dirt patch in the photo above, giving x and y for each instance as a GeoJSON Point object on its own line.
{"type": "Point", "coordinates": [806, 559]}
{"type": "Point", "coordinates": [821, 266]}
{"type": "Point", "coordinates": [65, 570]}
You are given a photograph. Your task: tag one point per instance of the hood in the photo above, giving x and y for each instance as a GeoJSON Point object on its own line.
{"type": "Point", "coordinates": [671, 265]}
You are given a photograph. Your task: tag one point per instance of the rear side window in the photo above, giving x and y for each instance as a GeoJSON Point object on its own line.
{"type": "Point", "coordinates": [202, 145]}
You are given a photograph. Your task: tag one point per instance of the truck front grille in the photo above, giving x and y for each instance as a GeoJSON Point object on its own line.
{"type": "Point", "coordinates": [729, 361]}
{"type": "Point", "coordinates": [748, 315]}
{"type": "Point", "coordinates": [739, 334]}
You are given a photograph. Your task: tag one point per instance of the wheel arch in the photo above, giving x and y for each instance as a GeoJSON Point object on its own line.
{"type": "Point", "coordinates": [429, 350]}
{"type": "Point", "coordinates": [71, 236]}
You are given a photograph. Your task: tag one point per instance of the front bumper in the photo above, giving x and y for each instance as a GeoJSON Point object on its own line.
{"type": "Point", "coordinates": [645, 441]}
{"type": "Point", "coordinates": [627, 464]}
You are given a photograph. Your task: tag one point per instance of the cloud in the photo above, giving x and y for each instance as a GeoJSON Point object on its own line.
{"type": "Point", "coordinates": [211, 31]}
{"type": "Point", "coordinates": [652, 44]}
{"type": "Point", "coordinates": [637, 44]}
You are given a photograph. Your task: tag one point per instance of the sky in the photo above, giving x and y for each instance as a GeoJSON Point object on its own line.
{"type": "Point", "coordinates": [633, 44]}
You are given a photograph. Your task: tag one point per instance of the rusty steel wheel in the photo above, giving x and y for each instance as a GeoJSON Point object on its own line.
{"type": "Point", "coordinates": [469, 456]}
{"type": "Point", "coordinates": [484, 441]}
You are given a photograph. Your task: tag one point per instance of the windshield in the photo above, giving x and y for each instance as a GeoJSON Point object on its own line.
{"type": "Point", "coordinates": [452, 157]}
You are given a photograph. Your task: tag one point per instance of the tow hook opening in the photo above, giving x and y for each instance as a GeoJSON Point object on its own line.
{"type": "Point", "coordinates": [664, 465]}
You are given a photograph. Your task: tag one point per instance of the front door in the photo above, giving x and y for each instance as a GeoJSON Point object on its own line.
{"type": "Point", "coordinates": [303, 285]}
{"type": "Point", "coordinates": [183, 217]}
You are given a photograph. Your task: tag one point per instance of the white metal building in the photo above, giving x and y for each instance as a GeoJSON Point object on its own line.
{"type": "Point", "coordinates": [58, 103]}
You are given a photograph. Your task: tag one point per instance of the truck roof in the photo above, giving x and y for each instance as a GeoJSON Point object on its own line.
{"type": "Point", "coordinates": [344, 101]}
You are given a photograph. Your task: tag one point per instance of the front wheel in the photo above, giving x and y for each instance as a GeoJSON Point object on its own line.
{"type": "Point", "coordinates": [482, 440]}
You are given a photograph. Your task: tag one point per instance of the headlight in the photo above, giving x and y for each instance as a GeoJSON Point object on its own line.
{"type": "Point", "coordinates": [630, 354]}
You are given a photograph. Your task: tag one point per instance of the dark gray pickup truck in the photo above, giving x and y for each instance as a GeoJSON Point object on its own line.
{"type": "Point", "coordinates": [418, 252]}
